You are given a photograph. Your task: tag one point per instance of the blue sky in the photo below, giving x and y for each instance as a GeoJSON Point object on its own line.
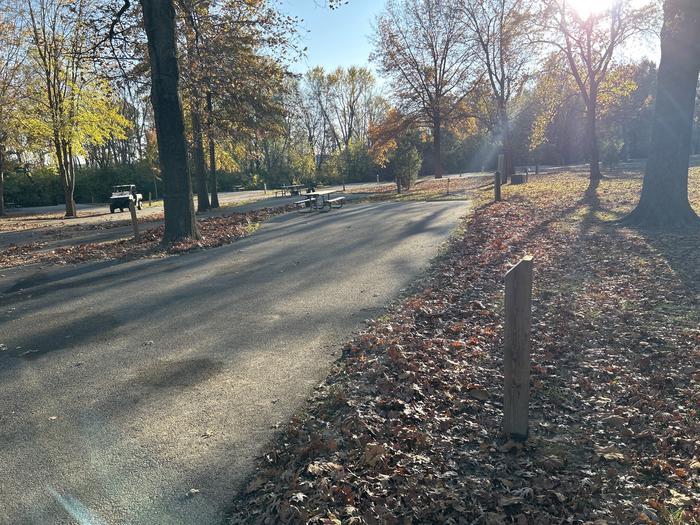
{"type": "Point", "coordinates": [340, 37]}
{"type": "Point", "coordinates": [337, 37]}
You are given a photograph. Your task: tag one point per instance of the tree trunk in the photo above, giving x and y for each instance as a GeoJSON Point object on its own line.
{"type": "Point", "coordinates": [508, 168]}
{"type": "Point", "coordinates": [437, 146]}
{"type": "Point", "coordinates": [592, 137]}
{"type": "Point", "coordinates": [159, 23]}
{"type": "Point", "coordinates": [70, 170]}
{"type": "Point", "coordinates": [64, 175]}
{"type": "Point", "coordinates": [212, 153]}
{"type": "Point", "coordinates": [2, 180]}
{"type": "Point", "coordinates": [200, 168]}
{"type": "Point", "coordinates": [664, 200]}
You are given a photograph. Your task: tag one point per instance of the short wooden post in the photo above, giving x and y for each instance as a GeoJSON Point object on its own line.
{"type": "Point", "coordinates": [516, 359]}
{"type": "Point", "coordinates": [150, 202]}
{"type": "Point", "coordinates": [497, 186]}
{"type": "Point", "coordinates": [502, 168]}
{"type": "Point", "coordinates": [134, 220]}
{"type": "Point", "coordinates": [448, 185]}
{"type": "Point", "coordinates": [265, 187]}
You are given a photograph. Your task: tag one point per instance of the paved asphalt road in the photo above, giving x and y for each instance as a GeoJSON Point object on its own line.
{"type": "Point", "coordinates": [123, 385]}
{"type": "Point", "coordinates": [57, 232]}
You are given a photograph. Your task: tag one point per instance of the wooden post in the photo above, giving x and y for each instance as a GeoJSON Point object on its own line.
{"type": "Point", "coordinates": [150, 202]}
{"type": "Point", "coordinates": [497, 186]}
{"type": "Point", "coordinates": [134, 220]}
{"type": "Point", "coordinates": [516, 359]}
{"type": "Point", "coordinates": [502, 168]}
{"type": "Point", "coordinates": [265, 188]}
{"type": "Point", "coordinates": [448, 185]}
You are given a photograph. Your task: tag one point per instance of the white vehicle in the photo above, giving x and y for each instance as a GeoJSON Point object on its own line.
{"type": "Point", "coordinates": [122, 196]}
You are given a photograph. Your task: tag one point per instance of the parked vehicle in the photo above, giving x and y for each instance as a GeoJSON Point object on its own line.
{"type": "Point", "coordinates": [122, 196]}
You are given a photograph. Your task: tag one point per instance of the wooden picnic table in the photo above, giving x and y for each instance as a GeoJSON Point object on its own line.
{"type": "Point", "coordinates": [292, 189]}
{"type": "Point", "coordinates": [319, 200]}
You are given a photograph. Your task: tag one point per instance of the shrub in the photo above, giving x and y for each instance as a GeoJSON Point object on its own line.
{"type": "Point", "coordinates": [404, 164]}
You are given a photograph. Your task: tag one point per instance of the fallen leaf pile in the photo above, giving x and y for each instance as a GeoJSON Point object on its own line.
{"type": "Point", "coordinates": [407, 427]}
{"type": "Point", "coordinates": [216, 231]}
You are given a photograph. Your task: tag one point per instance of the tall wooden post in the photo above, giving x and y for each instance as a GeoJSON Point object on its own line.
{"type": "Point", "coordinates": [516, 359]}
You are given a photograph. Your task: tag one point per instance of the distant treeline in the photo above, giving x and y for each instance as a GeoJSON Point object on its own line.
{"type": "Point", "coordinates": [42, 186]}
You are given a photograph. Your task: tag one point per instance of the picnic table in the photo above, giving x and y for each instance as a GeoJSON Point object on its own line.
{"type": "Point", "coordinates": [320, 200]}
{"type": "Point", "coordinates": [292, 189]}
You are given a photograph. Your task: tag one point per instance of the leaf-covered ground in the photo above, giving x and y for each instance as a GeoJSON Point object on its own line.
{"type": "Point", "coordinates": [406, 429]}
{"type": "Point", "coordinates": [446, 188]}
{"type": "Point", "coordinates": [56, 222]}
{"type": "Point", "coordinates": [216, 231]}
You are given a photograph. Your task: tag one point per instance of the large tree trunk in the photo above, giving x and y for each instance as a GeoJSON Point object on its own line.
{"type": "Point", "coordinates": [64, 175]}
{"type": "Point", "coordinates": [200, 168]}
{"type": "Point", "coordinates": [212, 153]}
{"type": "Point", "coordinates": [664, 200]}
{"type": "Point", "coordinates": [2, 180]}
{"type": "Point", "coordinates": [592, 137]}
{"type": "Point", "coordinates": [437, 146]}
{"type": "Point", "coordinates": [159, 22]}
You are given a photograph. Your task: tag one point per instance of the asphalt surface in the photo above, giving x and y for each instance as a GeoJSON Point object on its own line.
{"type": "Point", "coordinates": [96, 224]}
{"type": "Point", "coordinates": [124, 385]}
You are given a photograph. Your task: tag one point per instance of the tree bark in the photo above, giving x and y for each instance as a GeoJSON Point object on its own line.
{"type": "Point", "coordinates": [159, 23]}
{"type": "Point", "coordinates": [664, 200]}
{"type": "Point", "coordinates": [592, 137]}
{"type": "Point", "coordinates": [437, 146]}
{"type": "Point", "coordinates": [508, 168]}
{"type": "Point", "coordinates": [212, 153]}
{"type": "Point", "coordinates": [64, 175]}
{"type": "Point", "coordinates": [2, 180]}
{"type": "Point", "coordinates": [200, 168]}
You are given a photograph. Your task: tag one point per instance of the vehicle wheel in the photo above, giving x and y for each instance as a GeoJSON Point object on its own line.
{"type": "Point", "coordinates": [139, 206]}
{"type": "Point", "coordinates": [111, 209]}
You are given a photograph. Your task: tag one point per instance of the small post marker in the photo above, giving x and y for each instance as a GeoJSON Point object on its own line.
{"type": "Point", "coordinates": [134, 220]}
{"type": "Point", "coordinates": [502, 168]}
{"type": "Point", "coordinates": [497, 186]}
{"type": "Point", "coordinates": [448, 185]}
{"type": "Point", "coordinates": [516, 359]}
{"type": "Point", "coordinates": [150, 202]}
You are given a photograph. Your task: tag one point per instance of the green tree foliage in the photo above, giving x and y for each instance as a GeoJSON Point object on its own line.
{"type": "Point", "coordinates": [12, 58]}
{"type": "Point", "coordinates": [68, 104]}
{"type": "Point", "coordinates": [404, 163]}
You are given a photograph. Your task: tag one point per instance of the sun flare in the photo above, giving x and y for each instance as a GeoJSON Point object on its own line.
{"type": "Point", "coordinates": [586, 8]}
